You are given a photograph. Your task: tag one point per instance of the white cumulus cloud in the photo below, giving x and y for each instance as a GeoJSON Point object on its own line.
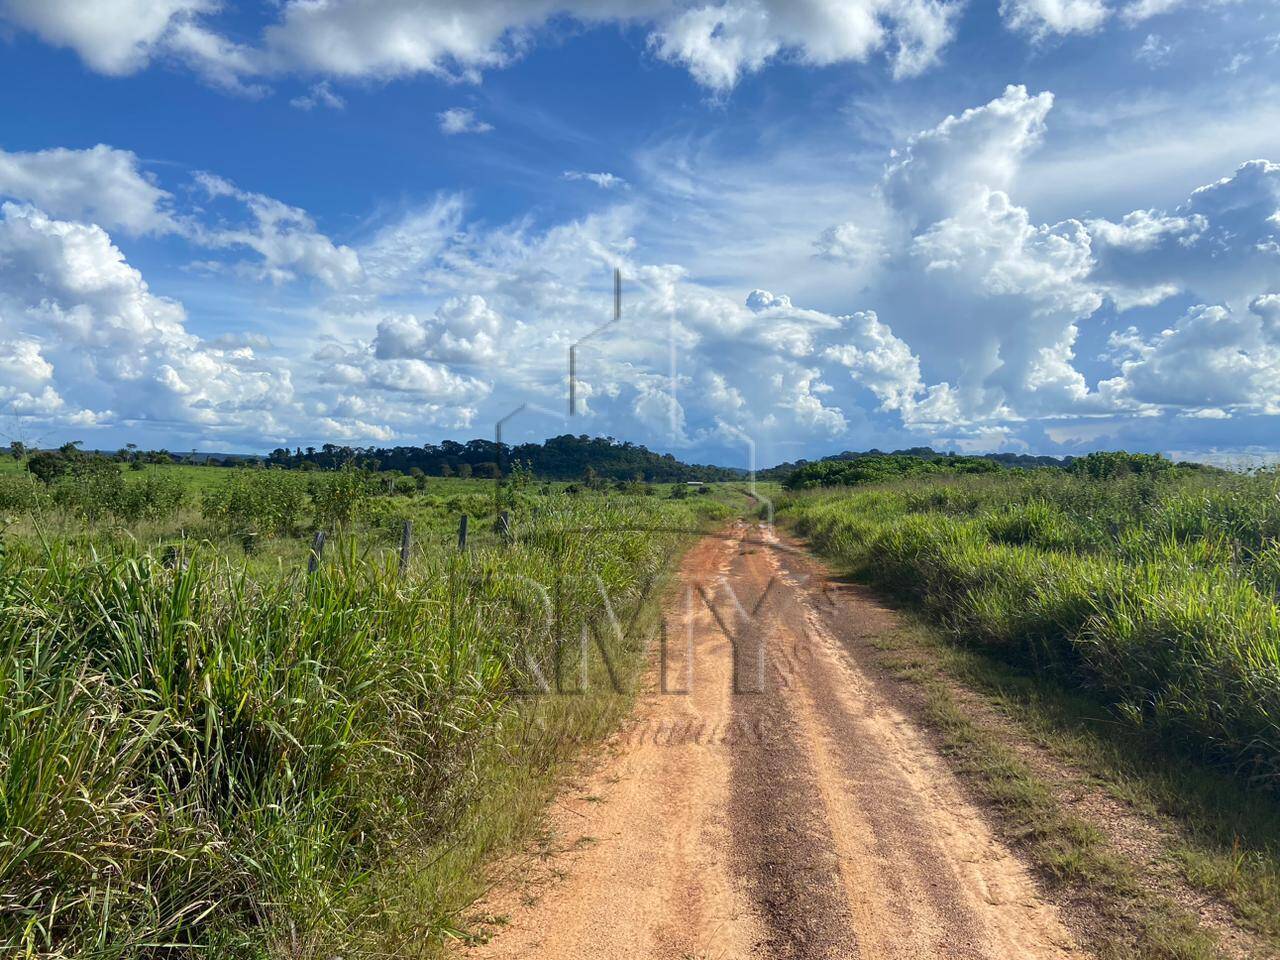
{"type": "Point", "coordinates": [942, 168]}
{"type": "Point", "coordinates": [285, 237]}
{"type": "Point", "coordinates": [102, 185]}
{"type": "Point", "coordinates": [717, 42]}
{"type": "Point", "coordinates": [87, 341]}
{"type": "Point", "coordinates": [722, 42]}
{"type": "Point", "coordinates": [1211, 359]}
{"type": "Point", "coordinates": [1040, 18]}
{"type": "Point", "coordinates": [111, 36]}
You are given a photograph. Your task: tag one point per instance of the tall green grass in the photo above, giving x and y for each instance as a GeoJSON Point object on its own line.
{"type": "Point", "coordinates": [197, 758]}
{"type": "Point", "coordinates": [1157, 593]}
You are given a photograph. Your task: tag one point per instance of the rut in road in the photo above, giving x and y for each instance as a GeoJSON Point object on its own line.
{"type": "Point", "coordinates": [803, 816]}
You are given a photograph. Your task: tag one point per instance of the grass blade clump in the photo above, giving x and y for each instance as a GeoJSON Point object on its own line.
{"type": "Point", "coordinates": [198, 756]}
{"type": "Point", "coordinates": [1157, 590]}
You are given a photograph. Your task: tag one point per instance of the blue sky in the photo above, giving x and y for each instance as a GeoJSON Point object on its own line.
{"type": "Point", "coordinates": [1032, 225]}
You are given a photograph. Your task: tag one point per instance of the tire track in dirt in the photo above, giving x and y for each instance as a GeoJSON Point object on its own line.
{"type": "Point", "coordinates": [783, 846]}
{"type": "Point", "coordinates": [803, 817]}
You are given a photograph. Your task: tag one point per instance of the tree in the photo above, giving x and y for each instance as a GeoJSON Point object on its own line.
{"type": "Point", "coordinates": [338, 496]}
{"type": "Point", "coordinates": [17, 449]}
{"type": "Point", "coordinates": [1107, 465]}
{"type": "Point", "coordinates": [48, 465]}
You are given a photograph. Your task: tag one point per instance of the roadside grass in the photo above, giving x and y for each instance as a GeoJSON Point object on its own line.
{"type": "Point", "coordinates": [521, 772]}
{"type": "Point", "coordinates": [1159, 597]}
{"type": "Point", "coordinates": [1131, 629]}
{"type": "Point", "coordinates": [1226, 840]}
{"type": "Point", "coordinates": [1123, 919]}
{"type": "Point", "coordinates": [209, 752]}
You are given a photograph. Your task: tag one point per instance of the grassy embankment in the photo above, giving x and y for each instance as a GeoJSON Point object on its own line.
{"type": "Point", "coordinates": [205, 749]}
{"type": "Point", "coordinates": [1131, 624]}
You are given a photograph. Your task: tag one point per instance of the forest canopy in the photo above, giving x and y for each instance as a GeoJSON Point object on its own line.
{"type": "Point", "coordinates": [566, 457]}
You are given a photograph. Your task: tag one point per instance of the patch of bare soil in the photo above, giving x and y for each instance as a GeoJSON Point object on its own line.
{"type": "Point", "coordinates": [768, 799]}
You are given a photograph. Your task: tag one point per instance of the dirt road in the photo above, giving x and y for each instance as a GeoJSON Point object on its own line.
{"type": "Point", "coordinates": [772, 803]}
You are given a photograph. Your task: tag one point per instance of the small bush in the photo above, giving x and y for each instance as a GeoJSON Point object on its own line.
{"type": "Point", "coordinates": [336, 497]}
{"type": "Point", "coordinates": [156, 496]}
{"type": "Point", "coordinates": [48, 465]}
{"type": "Point", "coordinates": [1108, 465]}
{"type": "Point", "coordinates": [255, 500]}
{"type": "Point", "coordinates": [20, 494]}
{"type": "Point", "coordinates": [92, 488]}
{"type": "Point", "coordinates": [1037, 523]}
{"type": "Point", "coordinates": [880, 469]}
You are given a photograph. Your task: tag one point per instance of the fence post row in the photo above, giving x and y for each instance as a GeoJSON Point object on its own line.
{"type": "Point", "coordinates": [406, 543]}
{"type": "Point", "coordinates": [317, 550]}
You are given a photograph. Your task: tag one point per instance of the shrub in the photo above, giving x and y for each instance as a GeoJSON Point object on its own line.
{"type": "Point", "coordinates": [1107, 465]}
{"type": "Point", "coordinates": [20, 494]}
{"type": "Point", "coordinates": [255, 500]}
{"type": "Point", "coordinates": [155, 496]}
{"type": "Point", "coordinates": [1036, 523]}
{"type": "Point", "coordinates": [880, 469]}
{"type": "Point", "coordinates": [48, 465]}
{"type": "Point", "coordinates": [91, 488]}
{"type": "Point", "coordinates": [337, 496]}
{"type": "Point", "coordinates": [405, 486]}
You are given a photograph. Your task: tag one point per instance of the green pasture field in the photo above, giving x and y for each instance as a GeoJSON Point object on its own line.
{"type": "Point", "coordinates": [208, 750]}
{"type": "Point", "coordinates": [1159, 593]}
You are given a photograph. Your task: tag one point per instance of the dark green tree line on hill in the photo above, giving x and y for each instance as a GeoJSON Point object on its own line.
{"type": "Point", "coordinates": [565, 457]}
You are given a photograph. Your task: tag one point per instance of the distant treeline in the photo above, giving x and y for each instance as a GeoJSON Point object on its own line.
{"type": "Point", "coordinates": [784, 470]}
{"type": "Point", "coordinates": [592, 459]}
{"type": "Point", "coordinates": [849, 470]}
{"type": "Point", "coordinates": [560, 458]}
{"type": "Point", "coordinates": [132, 455]}
{"type": "Point", "coordinates": [879, 469]}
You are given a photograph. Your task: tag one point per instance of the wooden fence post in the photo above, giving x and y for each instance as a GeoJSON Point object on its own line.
{"type": "Point", "coordinates": [504, 525]}
{"type": "Point", "coordinates": [406, 543]}
{"type": "Point", "coordinates": [462, 532]}
{"type": "Point", "coordinates": [317, 551]}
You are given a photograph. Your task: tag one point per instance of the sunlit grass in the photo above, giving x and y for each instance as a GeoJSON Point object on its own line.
{"type": "Point", "coordinates": [1160, 595]}
{"type": "Point", "coordinates": [1128, 626]}
{"type": "Point", "coordinates": [206, 750]}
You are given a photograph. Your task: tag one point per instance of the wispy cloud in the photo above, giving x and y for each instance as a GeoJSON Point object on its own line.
{"type": "Point", "coordinates": [320, 95]}
{"type": "Point", "coordinates": [605, 181]}
{"type": "Point", "coordinates": [458, 120]}
{"type": "Point", "coordinates": [1154, 51]}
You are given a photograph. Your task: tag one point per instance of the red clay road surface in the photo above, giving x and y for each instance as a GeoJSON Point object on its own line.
{"type": "Point", "coordinates": [804, 816]}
